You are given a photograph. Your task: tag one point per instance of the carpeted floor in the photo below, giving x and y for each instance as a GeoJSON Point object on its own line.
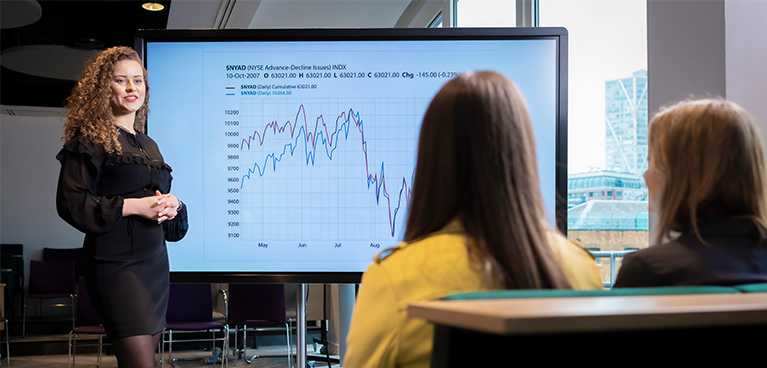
{"type": "Point", "coordinates": [269, 357]}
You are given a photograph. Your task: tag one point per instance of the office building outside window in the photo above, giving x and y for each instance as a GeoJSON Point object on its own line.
{"type": "Point", "coordinates": [607, 196]}
{"type": "Point", "coordinates": [626, 124]}
{"type": "Point", "coordinates": [607, 114]}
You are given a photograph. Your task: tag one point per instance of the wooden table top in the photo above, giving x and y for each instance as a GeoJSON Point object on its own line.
{"type": "Point", "coordinates": [591, 314]}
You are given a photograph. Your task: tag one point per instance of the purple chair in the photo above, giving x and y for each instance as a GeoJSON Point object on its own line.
{"type": "Point", "coordinates": [66, 254]}
{"type": "Point", "coordinates": [87, 322]}
{"type": "Point", "coordinates": [255, 307]}
{"type": "Point", "coordinates": [190, 309]}
{"type": "Point", "coordinates": [50, 280]}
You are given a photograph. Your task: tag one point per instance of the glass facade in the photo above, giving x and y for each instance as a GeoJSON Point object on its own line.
{"type": "Point", "coordinates": [604, 185]}
{"type": "Point", "coordinates": [625, 162]}
{"type": "Point", "coordinates": [626, 124]}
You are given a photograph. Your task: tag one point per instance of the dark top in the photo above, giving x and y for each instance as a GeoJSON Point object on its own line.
{"type": "Point", "coordinates": [735, 254]}
{"type": "Point", "coordinates": [125, 261]}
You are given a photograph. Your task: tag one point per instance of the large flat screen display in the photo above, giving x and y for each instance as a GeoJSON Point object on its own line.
{"type": "Point", "coordinates": [294, 150]}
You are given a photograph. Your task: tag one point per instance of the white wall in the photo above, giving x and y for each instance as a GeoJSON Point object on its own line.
{"type": "Point", "coordinates": [28, 175]}
{"type": "Point", "coordinates": [707, 48]}
{"type": "Point", "coordinates": [685, 51]}
{"type": "Point", "coordinates": [746, 57]}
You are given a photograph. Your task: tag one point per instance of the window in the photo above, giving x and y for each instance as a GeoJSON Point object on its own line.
{"type": "Point", "coordinates": [607, 118]}
{"type": "Point", "coordinates": [486, 13]}
{"type": "Point", "coordinates": [607, 112]}
{"type": "Point", "coordinates": [436, 22]}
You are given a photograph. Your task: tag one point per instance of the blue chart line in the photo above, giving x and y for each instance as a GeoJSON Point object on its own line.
{"type": "Point", "coordinates": [329, 140]}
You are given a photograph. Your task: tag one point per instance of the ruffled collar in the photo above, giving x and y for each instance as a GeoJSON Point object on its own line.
{"type": "Point", "coordinates": [135, 151]}
{"type": "Point", "coordinates": [138, 159]}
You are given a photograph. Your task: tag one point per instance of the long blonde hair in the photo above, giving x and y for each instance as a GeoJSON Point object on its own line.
{"type": "Point", "coordinates": [712, 157]}
{"type": "Point", "coordinates": [89, 109]}
{"type": "Point", "coordinates": [477, 162]}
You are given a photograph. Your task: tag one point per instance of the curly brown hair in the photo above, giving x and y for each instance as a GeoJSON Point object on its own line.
{"type": "Point", "coordinates": [89, 109]}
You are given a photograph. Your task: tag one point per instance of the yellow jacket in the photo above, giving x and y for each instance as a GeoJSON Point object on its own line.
{"type": "Point", "coordinates": [381, 334]}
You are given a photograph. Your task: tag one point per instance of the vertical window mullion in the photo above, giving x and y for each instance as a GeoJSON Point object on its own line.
{"type": "Point", "coordinates": [527, 13]}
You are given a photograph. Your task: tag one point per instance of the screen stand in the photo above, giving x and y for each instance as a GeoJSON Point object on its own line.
{"type": "Point", "coordinates": [301, 327]}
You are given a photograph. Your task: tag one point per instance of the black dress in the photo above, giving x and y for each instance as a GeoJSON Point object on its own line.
{"type": "Point", "coordinates": [125, 260]}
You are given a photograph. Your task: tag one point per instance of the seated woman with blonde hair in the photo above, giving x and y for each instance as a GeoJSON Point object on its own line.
{"type": "Point", "coordinates": [706, 183]}
{"type": "Point", "coordinates": [476, 221]}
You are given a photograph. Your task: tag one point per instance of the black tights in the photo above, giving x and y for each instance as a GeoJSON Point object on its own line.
{"type": "Point", "coordinates": [136, 351]}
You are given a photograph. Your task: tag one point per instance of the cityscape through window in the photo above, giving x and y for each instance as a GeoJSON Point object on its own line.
{"type": "Point", "coordinates": [607, 124]}
{"type": "Point", "coordinates": [607, 116]}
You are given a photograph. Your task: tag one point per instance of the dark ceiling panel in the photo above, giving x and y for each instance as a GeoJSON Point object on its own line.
{"type": "Point", "coordinates": [89, 24]}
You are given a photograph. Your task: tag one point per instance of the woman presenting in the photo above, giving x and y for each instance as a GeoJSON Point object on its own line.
{"type": "Point", "coordinates": [115, 187]}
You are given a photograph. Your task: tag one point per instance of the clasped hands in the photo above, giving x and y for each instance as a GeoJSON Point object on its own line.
{"type": "Point", "coordinates": [159, 207]}
{"type": "Point", "coordinates": [167, 206]}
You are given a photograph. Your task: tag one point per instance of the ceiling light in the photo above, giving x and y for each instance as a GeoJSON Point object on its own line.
{"type": "Point", "coordinates": [153, 6]}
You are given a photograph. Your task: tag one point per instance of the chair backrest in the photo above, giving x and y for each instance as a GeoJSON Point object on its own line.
{"type": "Point", "coordinates": [752, 288]}
{"type": "Point", "coordinates": [7, 251]}
{"type": "Point", "coordinates": [86, 315]}
{"type": "Point", "coordinates": [63, 254]}
{"type": "Point", "coordinates": [51, 277]}
{"type": "Point", "coordinates": [190, 303]}
{"type": "Point", "coordinates": [257, 302]}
